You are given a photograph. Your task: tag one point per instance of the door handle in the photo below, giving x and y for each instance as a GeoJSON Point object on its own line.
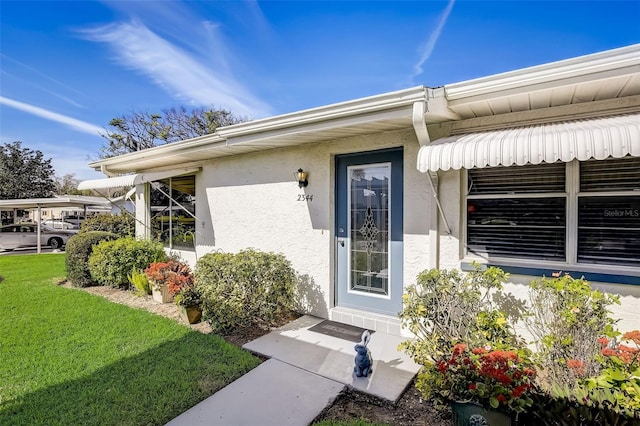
{"type": "Point", "coordinates": [341, 242]}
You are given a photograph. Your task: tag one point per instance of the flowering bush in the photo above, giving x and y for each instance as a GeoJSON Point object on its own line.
{"type": "Point", "coordinates": [502, 379]}
{"type": "Point", "coordinates": [621, 372]}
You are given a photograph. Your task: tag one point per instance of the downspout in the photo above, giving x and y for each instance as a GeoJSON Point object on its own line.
{"type": "Point", "coordinates": [420, 127]}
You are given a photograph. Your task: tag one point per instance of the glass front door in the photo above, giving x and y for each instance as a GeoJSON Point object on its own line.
{"type": "Point", "coordinates": [369, 231]}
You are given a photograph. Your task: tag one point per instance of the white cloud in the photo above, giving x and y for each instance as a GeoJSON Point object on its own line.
{"type": "Point", "coordinates": [79, 125]}
{"type": "Point", "coordinates": [429, 45]}
{"type": "Point", "coordinates": [175, 70]}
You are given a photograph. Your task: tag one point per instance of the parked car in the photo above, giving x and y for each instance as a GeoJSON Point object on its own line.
{"type": "Point", "coordinates": [26, 235]}
{"type": "Point", "coordinates": [59, 224]}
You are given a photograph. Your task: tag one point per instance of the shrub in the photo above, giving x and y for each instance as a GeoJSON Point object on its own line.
{"type": "Point", "coordinates": [567, 319]}
{"type": "Point", "coordinates": [245, 288]}
{"type": "Point", "coordinates": [468, 349]}
{"type": "Point", "coordinates": [449, 307]}
{"type": "Point", "coordinates": [112, 261]}
{"type": "Point", "coordinates": [123, 224]}
{"type": "Point", "coordinates": [79, 249]}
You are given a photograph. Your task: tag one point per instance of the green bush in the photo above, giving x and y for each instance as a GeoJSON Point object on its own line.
{"type": "Point", "coordinates": [123, 225]}
{"type": "Point", "coordinates": [112, 261]}
{"type": "Point", "coordinates": [245, 288]}
{"type": "Point", "coordinates": [448, 307]}
{"type": "Point", "coordinates": [79, 248]}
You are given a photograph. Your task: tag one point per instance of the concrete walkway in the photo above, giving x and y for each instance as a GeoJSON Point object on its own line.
{"type": "Point", "coordinates": [305, 373]}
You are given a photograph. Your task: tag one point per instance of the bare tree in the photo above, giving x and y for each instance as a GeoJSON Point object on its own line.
{"type": "Point", "coordinates": [141, 130]}
{"type": "Point", "coordinates": [67, 184]}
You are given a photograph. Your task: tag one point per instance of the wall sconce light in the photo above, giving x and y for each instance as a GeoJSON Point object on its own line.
{"type": "Point", "coordinates": [301, 177]}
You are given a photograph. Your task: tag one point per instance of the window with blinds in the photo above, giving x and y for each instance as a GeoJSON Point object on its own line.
{"type": "Point", "coordinates": [521, 212]}
{"type": "Point", "coordinates": [517, 212]}
{"type": "Point", "coordinates": [608, 224]}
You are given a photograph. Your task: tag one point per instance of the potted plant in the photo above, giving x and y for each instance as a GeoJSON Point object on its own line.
{"type": "Point", "coordinates": [481, 381]}
{"type": "Point", "coordinates": [166, 279]}
{"type": "Point", "coordinates": [188, 301]}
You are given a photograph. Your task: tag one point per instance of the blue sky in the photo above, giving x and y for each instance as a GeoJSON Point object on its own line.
{"type": "Point", "coordinates": [67, 68]}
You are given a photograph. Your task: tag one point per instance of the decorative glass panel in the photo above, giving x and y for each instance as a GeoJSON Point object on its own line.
{"type": "Point", "coordinates": [369, 228]}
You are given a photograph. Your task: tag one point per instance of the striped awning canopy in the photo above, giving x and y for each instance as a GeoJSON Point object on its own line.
{"type": "Point", "coordinates": [128, 181]}
{"type": "Point", "coordinates": [599, 138]}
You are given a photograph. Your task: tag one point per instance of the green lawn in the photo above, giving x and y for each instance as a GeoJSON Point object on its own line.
{"type": "Point", "coordinates": [71, 358]}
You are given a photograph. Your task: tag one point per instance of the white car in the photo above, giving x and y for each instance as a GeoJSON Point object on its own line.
{"type": "Point", "coordinates": [26, 235]}
{"type": "Point", "coordinates": [59, 224]}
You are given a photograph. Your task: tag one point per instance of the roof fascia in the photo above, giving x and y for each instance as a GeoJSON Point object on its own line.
{"type": "Point", "coordinates": [583, 69]}
{"type": "Point", "coordinates": [363, 106]}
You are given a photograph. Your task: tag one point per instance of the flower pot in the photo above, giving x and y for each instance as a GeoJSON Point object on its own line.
{"type": "Point", "coordinates": [470, 414]}
{"type": "Point", "coordinates": [161, 294]}
{"type": "Point", "coordinates": [191, 314]}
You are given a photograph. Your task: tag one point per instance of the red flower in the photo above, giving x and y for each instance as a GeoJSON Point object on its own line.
{"type": "Point", "coordinates": [501, 398]}
{"type": "Point", "coordinates": [577, 366]}
{"type": "Point", "coordinates": [633, 336]}
{"type": "Point", "coordinates": [603, 341]}
{"type": "Point", "coordinates": [459, 348]}
{"type": "Point", "coordinates": [472, 386]}
{"type": "Point", "coordinates": [479, 351]}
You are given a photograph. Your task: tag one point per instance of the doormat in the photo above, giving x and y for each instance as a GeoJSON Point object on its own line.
{"type": "Point", "coordinates": [339, 330]}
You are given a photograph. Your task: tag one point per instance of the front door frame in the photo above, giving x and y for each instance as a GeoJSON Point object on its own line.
{"type": "Point", "coordinates": [392, 304]}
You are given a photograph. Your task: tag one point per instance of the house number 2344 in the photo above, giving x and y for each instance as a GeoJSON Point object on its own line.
{"type": "Point", "coordinates": [305, 197]}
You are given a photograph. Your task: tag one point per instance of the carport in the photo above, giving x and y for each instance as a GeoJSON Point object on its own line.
{"type": "Point", "coordinates": [78, 201]}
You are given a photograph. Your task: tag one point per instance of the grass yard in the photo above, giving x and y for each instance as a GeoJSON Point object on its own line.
{"type": "Point", "coordinates": [71, 358]}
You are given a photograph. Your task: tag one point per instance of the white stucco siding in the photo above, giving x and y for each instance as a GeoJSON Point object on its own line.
{"type": "Point", "coordinates": [253, 201]}
{"type": "Point", "coordinates": [418, 201]}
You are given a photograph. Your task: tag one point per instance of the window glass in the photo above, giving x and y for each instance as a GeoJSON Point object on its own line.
{"type": "Point", "coordinates": [609, 226]}
{"type": "Point", "coordinates": [532, 226]}
{"type": "Point", "coordinates": [506, 218]}
{"type": "Point", "coordinates": [173, 209]}
{"type": "Point", "coordinates": [517, 179]}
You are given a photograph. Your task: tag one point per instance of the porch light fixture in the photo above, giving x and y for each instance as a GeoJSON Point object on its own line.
{"type": "Point", "coordinates": [301, 177]}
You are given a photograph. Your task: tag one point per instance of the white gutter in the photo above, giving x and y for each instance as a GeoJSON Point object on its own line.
{"type": "Point", "coordinates": [362, 106]}
{"type": "Point", "coordinates": [608, 64]}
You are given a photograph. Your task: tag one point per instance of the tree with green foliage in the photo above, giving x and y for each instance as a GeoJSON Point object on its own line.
{"type": "Point", "coordinates": [142, 129]}
{"type": "Point", "coordinates": [24, 173]}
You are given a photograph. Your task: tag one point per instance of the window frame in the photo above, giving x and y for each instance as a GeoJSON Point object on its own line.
{"type": "Point", "coordinates": [571, 194]}
{"type": "Point", "coordinates": [171, 208]}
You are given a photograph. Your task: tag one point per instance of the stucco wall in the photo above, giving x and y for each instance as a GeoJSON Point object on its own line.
{"type": "Point", "coordinates": [253, 201]}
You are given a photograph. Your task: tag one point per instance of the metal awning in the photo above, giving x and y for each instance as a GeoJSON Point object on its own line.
{"type": "Point", "coordinates": [599, 138]}
{"type": "Point", "coordinates": [72, 201]}
{"type": "Point", "coordinates": [128, 181]}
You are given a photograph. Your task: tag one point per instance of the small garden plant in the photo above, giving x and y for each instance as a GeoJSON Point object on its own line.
{"type": "Point", "coordinates": [581, 372]}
